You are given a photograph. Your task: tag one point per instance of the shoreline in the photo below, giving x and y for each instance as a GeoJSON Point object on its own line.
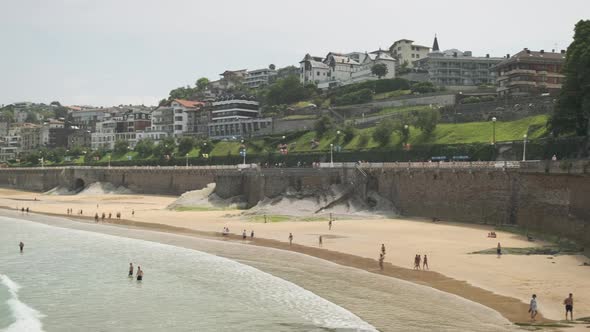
{"type": "Point", "coordinates": [510, 308]}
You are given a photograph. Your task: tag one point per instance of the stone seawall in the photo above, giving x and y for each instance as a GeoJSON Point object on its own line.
{"type": "Point", "coordinates": [552, 197]}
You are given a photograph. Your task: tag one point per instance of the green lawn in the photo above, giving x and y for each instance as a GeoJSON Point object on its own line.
{"type": "Point", "coordinates": [391, 94]}
{"type": "Point", "coordinates": [300, 117]}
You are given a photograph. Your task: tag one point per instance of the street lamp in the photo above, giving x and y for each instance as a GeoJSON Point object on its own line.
{"type": "Point", "coordinates": [243, 151]}
{"type": "Point", "coordinates": [109, 161]}
{"type": "Point", "coordinates": [524, 147]}
{"type": "Point", "coordinates": [187, 160]}
{"type": "Point", "coordinates": [331, 154]}
{"type": "Point", "coordinates": [494, 130]}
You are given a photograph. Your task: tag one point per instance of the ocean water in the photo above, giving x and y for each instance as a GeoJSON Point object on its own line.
{"type": "Point", "coordinates": [76, 280]}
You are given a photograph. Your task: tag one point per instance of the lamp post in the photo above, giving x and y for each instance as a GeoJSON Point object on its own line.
{"type": "Point", "coordinates": [187, 160]}
{"type": "Point", "coordinates": [331, 154]}
{"type": "Point", "coordinates": [494, 130]}
{"type": "Point", "coordinates": [524, 147]}
{"type": "Point", "coordinates": [109, 161]}
{"type": "Point", "coordinates": [244, 151]}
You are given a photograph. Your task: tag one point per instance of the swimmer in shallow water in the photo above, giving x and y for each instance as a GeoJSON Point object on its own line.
{"type": "Point", "coordinates": [139, 274]}
{"type": "Point", "coordinates": [131, 269]}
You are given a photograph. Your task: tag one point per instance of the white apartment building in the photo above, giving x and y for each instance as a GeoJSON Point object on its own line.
{"type": "Point", "coordinates": [259, 77]}
{"type": "Point", "coordinates": [342, 69]}
{"type": "Point", "coordinates": [104, 136]}
{"type": "Point", "coordinates": [406, 52]}
{"type": "Point", "coordinates": [183, 118]}
{"type": "Point", "coordinates": [236, 117]}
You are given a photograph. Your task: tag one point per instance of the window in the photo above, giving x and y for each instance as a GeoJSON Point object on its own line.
{"type": "Point", "coordinates": [413, 48]}
{"type": "Point", "coordinates": [417, 56]}
{"type": "Point", "coordinates": [412, 55]}
{"type": "Point", "coordinates": [318, 73]}
{"type": "Point", "coordinates": [399, 48]}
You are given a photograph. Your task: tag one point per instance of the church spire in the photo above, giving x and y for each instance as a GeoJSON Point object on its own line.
{"type": "Point", "coordinates": [435, 47]}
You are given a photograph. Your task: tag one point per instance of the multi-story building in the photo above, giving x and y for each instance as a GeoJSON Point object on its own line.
{"type": "Point", "coordinates": [79, 137]}
{"type": "Point", "coordinates": [104, 135]}
{"type": "Point", "coordinates": [236, 117]}
{"type": "Point", "coordinates": [188, 117]}
{"type": "Point", "coordinates": [88, 118]}
{"type": "Point", "coordinates": [530, 73]}
{"type": "Point", "coordinates": [259, 77]}
{"type": "Point", "coordinates": [313, 70]}
{"type": "Point", "coordinates": [407, 53]}
{"type": "Point", "coordinates": [364, 72]}
{"type": "Point", "coordinates": [341, 69]}
{"type": "Point", "coordinates": [229, 79]}
{"type": "Point", "coordinates": [8, 153]}
{"type": "Point", "coordinates": [455, 68]}
{"type": "Point", "coordinates": [29, 137]}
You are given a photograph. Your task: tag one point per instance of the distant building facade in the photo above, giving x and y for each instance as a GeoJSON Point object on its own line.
{"type": "Point", "coordinates": [530, 73]}
{"type": "Point", "coordinates": [259, 77]}
{"type": "Point", "coordinates": [235, 117]}
{"type": "Point", "coordinates": [406, 52]}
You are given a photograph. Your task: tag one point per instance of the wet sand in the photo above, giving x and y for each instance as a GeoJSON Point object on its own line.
{"type": "Point", "coordinates": [503, 284]}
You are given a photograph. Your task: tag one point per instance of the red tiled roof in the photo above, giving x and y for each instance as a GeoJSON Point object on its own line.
{"type": "Point", "coordinates": [189, 103]}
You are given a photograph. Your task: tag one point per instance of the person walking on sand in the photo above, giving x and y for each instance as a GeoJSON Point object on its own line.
{"type": "Point", "coordinates": [499, 250]}
{"type": "Point", "coordinates": [569, 306]}
{"type": "Point", "coordinates": [96, 217]}
{"type": "Point", "coordinates": [419, 261]}
{"type": "Point", "coordinates": [533, 307]}
{"type": "Point", "coordinates": [133, 213]}
{"type": "Point", "coordinates": [244, 236]}
{"type": "Point", "coordinates": [131, 270]}
{"type": "Point", "coordinates": [321, 241]}
{"type": "Point", "coordinates": [21, 245]}
{"type": "Point", "coordinates": [252, 234]}
{"type": "Point", "coordinates": [103, 216]}
{"type": "Point", "coordinates": [416, 262]}
{"type": "Point", "coordinates": [139, 273]}
{"type": "Point", "coordinates": [425, 264]}
{"type": "Point", "coordinates": [381, 259]}
{"type": "Point", "coordinates": [110, 214]}
{"type": "Point", "coordinates": [383, 248]}
{"type": "Point", "coordinates": [330, 224]}
{"type": "Point", "coordinates": [290, 238]}
{"type": "Point", "coordinates": [27, 210]}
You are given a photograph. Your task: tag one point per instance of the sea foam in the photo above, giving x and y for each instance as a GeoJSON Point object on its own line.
{"type": "Point", "coordinates": [26, 318]}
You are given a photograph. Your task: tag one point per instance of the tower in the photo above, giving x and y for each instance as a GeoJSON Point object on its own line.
{"type": "Point", "coordinates": [435, 47]}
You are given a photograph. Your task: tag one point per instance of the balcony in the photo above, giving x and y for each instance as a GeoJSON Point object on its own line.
{"type": "Point", "coordinates": [518, 71]}
{"type": "Point", "coordinates": [513, 83]}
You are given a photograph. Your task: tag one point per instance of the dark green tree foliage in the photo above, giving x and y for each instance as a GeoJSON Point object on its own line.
{"type": "Point", "coordinates": [349, 131]}
{"type": "Point", "coordinates": [572, 112]}
{"type": "Point", "coordinates": [165, 148]}
{"type": "Point", "coordinates": [427, 120]}
{"type": "Point", "coordinates": [181, 93]}
{"type": "Point", "coordinates": [423, 87]}
{"type": "Point", "coordinates": [185, 145]}
{"type": "Point", "coordinates": [202, 84]}
{"type": "Point", "coordinates": [382, 133]}
{"type": "Point", "coordinates": [357, 97]}
{"type": "Point", "coordinates": [121, 147]}
{"type": "Point", "coordinates": [145, 147]}
{"type": "Point", "coordinates": [31, 118]}
{"type": "Point", "coordinates": [323, 125]}
{"type": "Point", "coordinates": [379, 70]}
{"type": "Point", "coordinates": [286, 91]}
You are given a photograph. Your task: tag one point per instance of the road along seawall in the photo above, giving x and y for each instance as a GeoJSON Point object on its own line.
{"type": "Point", "coordinates": [551, 197]}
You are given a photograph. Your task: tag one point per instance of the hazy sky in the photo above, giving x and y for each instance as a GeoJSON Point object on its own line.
{"type": "Point", "coordinates": [108, 52]}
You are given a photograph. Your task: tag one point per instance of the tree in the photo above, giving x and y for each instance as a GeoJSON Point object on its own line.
{"type": "Point", "coordinates": [379, 70]}
{"type": "Point", "coordinates": [202, 84]}
{"type": "Point", "coordinates": [31, 118]}
{"type": "Point", "coordinates": [349, 133]}
{"type": "Point", "coordinates": [185, 145]}
{"type": "Point", "coordinates": [121, 147]}
{"type": "Point", "coordinates": [55, 103]}
{"type": "Point", "coordinates": [285, 91]}
{"type": "Point", "coordinates": [572, 112]}
{"type": "Point", "coordinates": [323, 125]}
{"type": "Point", "coordinates": [145, 147]}
{"type": "Point", "coordinates": [181, 93]}
{"type": "Point", "coordinates": [382, 133]}
{"type": "Point", "coordinates": [272, 67]}
{"type": "Point", "coordinates": [60, 112]}
{"type": "Point", "coordinates": [427, 120]}
{"type": "Point", "coordinates": [165, 147]}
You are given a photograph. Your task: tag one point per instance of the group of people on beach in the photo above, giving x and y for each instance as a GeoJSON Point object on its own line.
{"type": "Point", "coordinates": [568, 303]}
{"type": "Point", "coordinates": [24, 210]}
{"type": "Point", "coordinates": [139, 274]}
{"type": "Point", "coordinates": [418, 260]}
{"type": "Point", "coordinates": [104, 216]}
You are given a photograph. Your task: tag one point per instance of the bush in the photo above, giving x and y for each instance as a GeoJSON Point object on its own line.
{"type": "Point", "coordinates": [382, 133]}
{"type": "Point", "coordinates": [363, 140]}
{"type": "Point", "coordinates": [121, 147]}
{"type": "Point", "coordinates": [358, 97]}
{"type": "Point", "coordinates": [323, 125]}
{"type": "Point", "coordinates": [423, 87]}
{"type": "Point", "coordinates": [470, 100]}
{"type": "Point", "coordinates": [391, 85]}
{"type": "Point", "coordinates": [348, 132]}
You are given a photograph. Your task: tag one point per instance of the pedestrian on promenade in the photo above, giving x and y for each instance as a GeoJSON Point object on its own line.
{"type": "Point", "coordinates": [320, 240]}
{"type": "Point", "coordinates": [499, 250]}
{"type": "Point", "coordinates": [290, 238]}
{"type": "Point", "coordinates": [425, 264]}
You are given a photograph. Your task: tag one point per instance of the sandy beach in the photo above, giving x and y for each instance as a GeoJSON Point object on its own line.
{"type": "Point", "coordinates": [504, 284]}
